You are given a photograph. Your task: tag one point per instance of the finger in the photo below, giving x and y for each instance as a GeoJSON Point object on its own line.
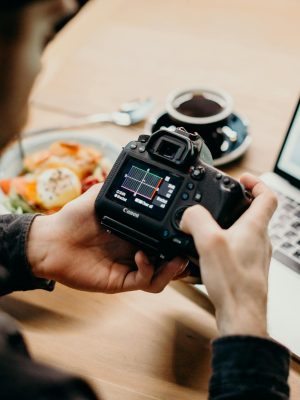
{"type": "Point", "coordinates": [142, 277]}
{"type": "Point", "coordinates": [93, 191]}
{"type": "Point", "coordinates": [249, 180]}
{"type": "Point", "coordinates": [256, 185]}
{"type": "Point", "coordinates": [145, 279]}
{"type": "Point", "coordinates": [87, 199]}
{"type": "Point", "coordinates": [183, 274]}
{"type": "Point", "coordinates": [264, 204]}
{"type": "Point", "coordinates": [199, 223]}
{"type": "Point", "coordinates": [166, 273]}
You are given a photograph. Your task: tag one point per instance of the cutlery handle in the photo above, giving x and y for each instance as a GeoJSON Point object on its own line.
{"type": "Point", "coordinates": [80, 123]}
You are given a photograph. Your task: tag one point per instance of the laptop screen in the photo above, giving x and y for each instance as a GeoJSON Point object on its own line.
{"type": "Point", "coordinates": [288, 163]}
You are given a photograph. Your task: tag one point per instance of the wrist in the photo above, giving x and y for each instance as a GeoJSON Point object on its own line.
{"type": "Point", "coordinates": [242, 322]}
{"type": "Point", "coordinates": [39, 241]}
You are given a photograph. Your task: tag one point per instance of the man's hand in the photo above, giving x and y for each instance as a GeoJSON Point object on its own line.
{"type": "Point", "coordinates": [235, 262]}
{"type": "Point", "coordinates": [71, 248]}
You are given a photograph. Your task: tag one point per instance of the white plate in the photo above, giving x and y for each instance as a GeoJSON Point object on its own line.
{"type": "Point", "coordinates": [11, 162]}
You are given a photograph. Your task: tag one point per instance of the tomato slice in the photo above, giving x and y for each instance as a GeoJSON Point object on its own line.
{"type": "Point", "coordinates": [5, 185]}
{"type": "Point", "coordinates": [88, 183]}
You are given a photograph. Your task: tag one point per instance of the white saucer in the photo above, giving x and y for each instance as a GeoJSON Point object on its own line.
{"type": "Point", "coordinates": [232, 151]}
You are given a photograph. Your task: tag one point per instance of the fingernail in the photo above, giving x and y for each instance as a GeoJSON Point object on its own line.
{"type": "Point", "coordinates": [183, 266]}
{"type": "Point", "coordinates": [71, 6]}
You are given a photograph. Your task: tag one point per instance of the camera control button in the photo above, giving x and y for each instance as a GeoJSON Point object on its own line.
{"type": "Point", "coordinates": [198, 197]}
{"type": "Point", "coordinates": [198, 173]}
{"type": "Point", "coordinates": [219, 176]}
{"type": "Point", "coordinates": [179, 240]}
{"type": "Point", "coordinates": [190, 186]}
{"type": "Point", "coordinates": [194, 136]}
{"type": "Point", "coordinates": [165, 233]}
{"type": "Point", "coordinates": [226, 180]}
{"type": "Point", "coordinates": [177, 217]}
{"type": "Point", "coordinates": [133, 146]}
{"type": "Point", "coordinates": [185, 196]}
{"type": "Point", "coordinates": [143, 138]}
{"type": "Point", "coordinates": [182, 241]}
{"type": "Point", "coordinates": [142, 149]}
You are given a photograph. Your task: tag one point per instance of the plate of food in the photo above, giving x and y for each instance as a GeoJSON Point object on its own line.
{"type": "Point", "coordinates": [57, 168]}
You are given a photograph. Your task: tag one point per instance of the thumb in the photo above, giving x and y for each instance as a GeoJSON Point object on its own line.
{"type": "Point", "coordinates": [198, 222]}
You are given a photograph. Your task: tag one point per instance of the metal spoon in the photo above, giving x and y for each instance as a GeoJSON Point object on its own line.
{"type": "Point", "coordinates": [130, 113]}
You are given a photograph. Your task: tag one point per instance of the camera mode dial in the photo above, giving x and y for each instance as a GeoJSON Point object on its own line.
{"type": "Point", "coordinates": [198, 172]}
{"type": "Point", "coordinates": [194, 136]}
{"type": "Point", "coordinates": [143, 138]}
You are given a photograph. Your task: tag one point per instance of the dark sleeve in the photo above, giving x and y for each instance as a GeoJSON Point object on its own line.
{"type": "Point", "coordinates": [248, 367]}
{"type": "Point", "coordinates": [23, 378]}
{"type": "Point", "coordinates": [15, 272]}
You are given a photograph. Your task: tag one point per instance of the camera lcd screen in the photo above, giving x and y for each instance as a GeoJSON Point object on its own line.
{"type": "Point", "coordinates": [145, 188]}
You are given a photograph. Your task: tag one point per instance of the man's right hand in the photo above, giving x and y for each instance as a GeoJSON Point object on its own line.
{"type": "Point", "coordinates": [235, 262]}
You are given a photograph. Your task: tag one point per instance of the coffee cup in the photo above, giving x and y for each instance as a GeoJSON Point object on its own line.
{"type": "Point", "coordinates": [199, 106]}
{"type": "Point", "coordinates": [204, 110]}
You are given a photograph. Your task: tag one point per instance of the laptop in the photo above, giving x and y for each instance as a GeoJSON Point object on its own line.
{"type": "Point", "coordinates": [284, 280]}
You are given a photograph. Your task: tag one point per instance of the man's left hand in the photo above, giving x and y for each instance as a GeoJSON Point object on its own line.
{"type": "Point", "coordinates": [70, 247]}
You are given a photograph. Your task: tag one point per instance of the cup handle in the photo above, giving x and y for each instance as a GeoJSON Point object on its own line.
{"type": "Point", "coordinates": [228, 133]}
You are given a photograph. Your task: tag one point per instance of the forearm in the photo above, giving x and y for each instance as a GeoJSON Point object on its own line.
{"type": "Point", "coordinates": [248, 367]}
{"type": "Point", "coordinates": [15, 271]}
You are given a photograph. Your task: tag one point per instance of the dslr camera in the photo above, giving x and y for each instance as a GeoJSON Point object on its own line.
{"type": "Point", "coordinates": [154, 180]}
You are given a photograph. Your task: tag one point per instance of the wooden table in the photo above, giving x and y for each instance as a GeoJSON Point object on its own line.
{"type": "Point", "coordinates": [136, 345]}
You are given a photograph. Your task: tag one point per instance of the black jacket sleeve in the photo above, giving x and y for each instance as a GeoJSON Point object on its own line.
{"type": "Point", "coordinates": [20, 376]}
{"type": "Point", "coordinates": [15, 272]}
{"type": "Point", "coordinates": [246, 367]}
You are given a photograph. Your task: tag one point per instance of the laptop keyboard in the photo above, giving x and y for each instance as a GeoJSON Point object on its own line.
{"type": "Point", "coordinates": [285, 232]}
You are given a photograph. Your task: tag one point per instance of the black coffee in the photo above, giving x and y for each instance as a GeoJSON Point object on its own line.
{"type": "Point", "coordinates": [199, 106]}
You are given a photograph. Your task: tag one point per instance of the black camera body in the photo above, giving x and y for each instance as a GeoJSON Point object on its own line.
{"type": "Point", "coordinates": [152, 183]}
